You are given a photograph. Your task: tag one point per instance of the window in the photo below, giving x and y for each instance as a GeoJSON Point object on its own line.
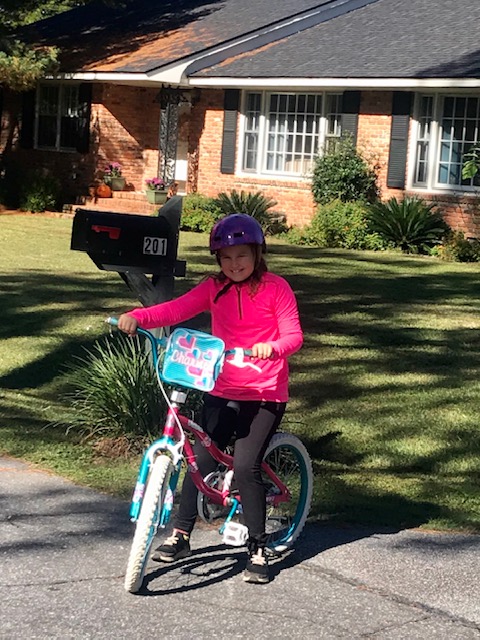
{"type": "Point", "coordinates": [447, 128]}
{"type": "Point", "coordinates": [284, 132]}
{"type": "Point", "coordinates": [59, 118]}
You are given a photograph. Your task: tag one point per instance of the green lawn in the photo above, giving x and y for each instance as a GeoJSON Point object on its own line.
{"type": "Point", "coordinates": [385, 392]}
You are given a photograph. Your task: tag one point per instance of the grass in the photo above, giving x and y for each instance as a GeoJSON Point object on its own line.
{"type": "Point", "coordinates": [385, 392]}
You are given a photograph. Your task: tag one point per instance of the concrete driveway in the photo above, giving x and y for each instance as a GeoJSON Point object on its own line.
{"type": "Point", "coordinates": [63, 551]}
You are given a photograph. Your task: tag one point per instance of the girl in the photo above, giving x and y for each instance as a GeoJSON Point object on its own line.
{"type": "Point", "coordinates": [253, 309]}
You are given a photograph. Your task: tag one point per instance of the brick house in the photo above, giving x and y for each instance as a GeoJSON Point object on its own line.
{"type": "Point", "coordinates": [243, 94]}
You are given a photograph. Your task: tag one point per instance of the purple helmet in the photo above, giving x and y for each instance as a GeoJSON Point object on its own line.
{"type": "Point", "coordinates": [236, 228]}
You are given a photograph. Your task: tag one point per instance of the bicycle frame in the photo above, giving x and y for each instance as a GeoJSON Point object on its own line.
{"type": "Point", "coordinates": [174, 443]}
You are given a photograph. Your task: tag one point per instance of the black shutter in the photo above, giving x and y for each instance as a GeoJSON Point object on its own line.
{"type": "Point", "coordinates": [350, 109]}
{"type": "Point", "coordinates": [229, 140]}
{"type": "Point", "coordinates": [83, 126]}
{"type": "Point", "coordinates": [397, 160]}
{"type": "Point", "coordinates": [28, 120]}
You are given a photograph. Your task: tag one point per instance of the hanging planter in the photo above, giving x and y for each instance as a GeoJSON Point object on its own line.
{"type": "Point", "coordinates": [155, 196]}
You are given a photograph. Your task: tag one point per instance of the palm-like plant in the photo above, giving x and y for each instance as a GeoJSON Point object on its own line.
{"type": "Point", "coordinates": [411, 224]}
{"type": "Point", "coordinates": [253, 204]}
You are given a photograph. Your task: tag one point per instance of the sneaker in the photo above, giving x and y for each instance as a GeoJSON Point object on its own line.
{"type": "Point", "coordinates": [175, 547]}
{"type": "Point", "coordinates": [257, 567]}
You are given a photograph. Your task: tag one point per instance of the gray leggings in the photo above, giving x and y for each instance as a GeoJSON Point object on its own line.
{"type": "Point", "coordinates": [252, 423]}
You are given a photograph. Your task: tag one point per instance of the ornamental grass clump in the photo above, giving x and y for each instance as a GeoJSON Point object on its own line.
{"type": "Point", "coordinates": [411, 225]}
{"type": "Point", "coordinates": [115, 391]}
{"type": "Point", "coordinates": [253, 204]}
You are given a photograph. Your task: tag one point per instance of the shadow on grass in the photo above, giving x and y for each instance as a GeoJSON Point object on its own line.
{"type": "Point", "coordinates": [350, 303]}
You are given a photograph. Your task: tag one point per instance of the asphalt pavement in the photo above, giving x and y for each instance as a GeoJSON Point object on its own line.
{"type": "Point", "coordinates": [63, 551]}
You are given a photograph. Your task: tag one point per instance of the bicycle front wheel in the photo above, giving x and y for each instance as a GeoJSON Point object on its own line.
{"type": "Point", "coordinates": [147, 523]}
{"type": "Point", "coordinates": [289, 460]}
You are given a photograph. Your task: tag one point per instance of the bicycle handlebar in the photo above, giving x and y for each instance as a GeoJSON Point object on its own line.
{"type": "Point", "coordinates": [238, 353]}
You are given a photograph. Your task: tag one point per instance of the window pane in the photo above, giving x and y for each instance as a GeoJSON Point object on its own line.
{"type": "Point", "coordinates": [425, 117]}
{"type": "Point", "coordinates": [252, 128]}
{"type": "Point", "coordinates": [458, 131]}
{"type": "Point", "coordinates": [58, 116]}
{"type": "Point", "coordinates": [293, 124]}
{"type": "Point", "coordinates": [47, 131]}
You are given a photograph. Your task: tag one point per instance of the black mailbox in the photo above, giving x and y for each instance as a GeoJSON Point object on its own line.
{"type": "Point", "coordinates": [124, 242]}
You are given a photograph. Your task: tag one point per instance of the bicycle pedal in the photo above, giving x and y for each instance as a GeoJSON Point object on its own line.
{"type": "Point", "coordinates": [235, 534]}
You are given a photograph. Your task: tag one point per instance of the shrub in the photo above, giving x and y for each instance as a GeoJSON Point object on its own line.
{"type": "Point", "coordinates": [341, 173]}
{"type": "Point", "coordinates": [253, 204]}
{"type": "Point", "coordinates": [458, 249]}
{"type": "Point", "coordinates": [38, 192]}
{"type": "Point", "coordinates": [412, 224]}
{"type": "Point", "coordinates": [199, 213]}
{"type": "Point", "coordinates": [115, 390]}
{"type": "Point", "coordinates": [338, 224]}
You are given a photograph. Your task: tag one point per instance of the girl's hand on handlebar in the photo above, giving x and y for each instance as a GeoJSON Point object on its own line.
{"type": "Point", "coordinates": [127, 324]}
{"type": "Point", "coordinates": [262, 350]}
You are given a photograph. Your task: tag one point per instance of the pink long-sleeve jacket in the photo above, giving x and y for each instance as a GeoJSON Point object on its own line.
{"type": "Point", "coordinates": [241, 319]}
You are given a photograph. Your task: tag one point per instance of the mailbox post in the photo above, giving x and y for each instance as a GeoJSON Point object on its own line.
{"type": "Point", "coordinates": [134, 245]}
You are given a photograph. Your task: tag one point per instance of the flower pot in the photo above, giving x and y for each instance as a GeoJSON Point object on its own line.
{"type": "Point", "coordinates": [156, 197]}
{"type": "Point", "coordinates": [103, 191]}
{"type": "Point", "coordinates": [117, 184]}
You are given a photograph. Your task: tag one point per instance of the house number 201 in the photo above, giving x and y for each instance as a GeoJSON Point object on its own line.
{"type": "Point", "coordinates": [154, 246]}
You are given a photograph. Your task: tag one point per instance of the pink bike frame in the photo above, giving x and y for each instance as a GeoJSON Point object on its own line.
{"type": "Point", "coordinates": [216, 496]}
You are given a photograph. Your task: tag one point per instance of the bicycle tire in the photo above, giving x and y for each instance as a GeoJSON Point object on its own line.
{"type": "Point", "coordinates": [289, 460]}
{"type": "Point", "coordinates": [147, 523]}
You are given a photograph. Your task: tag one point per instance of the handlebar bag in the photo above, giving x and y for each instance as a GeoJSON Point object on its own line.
{"type": "Point", "coordinates": [192, 359]}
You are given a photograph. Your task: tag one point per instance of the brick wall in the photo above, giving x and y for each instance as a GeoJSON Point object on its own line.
{"type": "Point", "coordinates": [124, 128]}
{"type": "Point", "coordinates": [125, 124]}
{"type": "Point", "coordinates": [294, 197]}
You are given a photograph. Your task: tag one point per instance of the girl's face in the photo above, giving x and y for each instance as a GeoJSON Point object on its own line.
{"type": "Point", "coordinates": [237, 262]}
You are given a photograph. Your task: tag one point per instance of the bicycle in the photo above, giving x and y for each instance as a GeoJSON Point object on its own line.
{"type": "Point", "coordinates": [193, 360]}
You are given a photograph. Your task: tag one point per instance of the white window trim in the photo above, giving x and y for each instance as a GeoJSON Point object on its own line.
{"type": "Point", "coordinates": [432, 186]}
{"type": "Point", "coordinates": [262, 174]}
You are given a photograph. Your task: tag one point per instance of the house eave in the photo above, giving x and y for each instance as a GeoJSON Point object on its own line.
{"type": "Point", "coordinates": [173, 76]}
{"type": "Point", "coordinates": [336, 83]}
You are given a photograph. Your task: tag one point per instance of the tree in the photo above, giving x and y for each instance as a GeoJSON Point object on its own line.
{"type": "Point", "coordinates": [21, 66]}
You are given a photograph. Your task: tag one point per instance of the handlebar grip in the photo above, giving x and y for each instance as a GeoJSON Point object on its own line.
{"type": "Point", "coordinates": [112, 321]}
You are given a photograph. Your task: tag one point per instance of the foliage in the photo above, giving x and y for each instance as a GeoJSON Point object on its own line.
{"type": "Point", "coordinates": [39, 192]}
{"type": "Point", "coordinates": [115, 390]}
{"type": "Point", "coordinates": [21, 67]}
{"type": "Point", "coordinates": [155, 184]}
{"type": "Point", "coordinates": [112, 170]}
{"type": "Point", "coordinates": [342, 173]}
{"type": "Point", "coordinates": [16, 13]}
{"type": "Point", "coordinates": [411, 224]}
{"type": "Point", "coordinates": [471, 162]}
{"type": "Point", "coordinates": [199, 213]}
{"type": "Point", "coordinates": [253, 204]}
{"type": "Point", "coordinates": [456, 247]}
{"type": "Point", "coordinates": [388, 342]}
{"type": "Point", "coordinates": [338, 225]}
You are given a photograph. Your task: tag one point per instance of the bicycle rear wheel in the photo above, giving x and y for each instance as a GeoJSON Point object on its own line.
{"type": "Point", "coordinates": [147, 523]}
{"type": "Point", "coordinates": [289, 460]}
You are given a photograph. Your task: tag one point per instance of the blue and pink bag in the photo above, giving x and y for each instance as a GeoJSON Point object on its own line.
{"type": "Point", "coordinates": [192, 359]}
